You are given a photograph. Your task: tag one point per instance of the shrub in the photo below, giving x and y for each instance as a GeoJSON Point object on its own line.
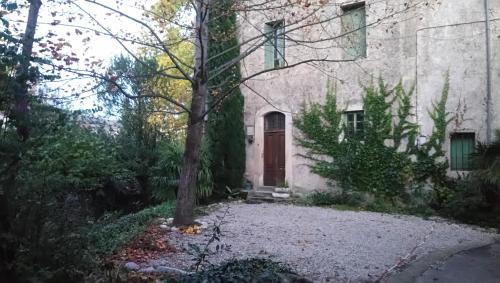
{"type": "Point", "coordinates": [60, 164]}
{"type": "Point", "coordinates": [111, 232]}
{"type": "Point", "coordinates": [353, 199]}
{"type": "Point", "coordinates": [486, 161]}
{"type": "Point", "coordinates": [475, 198]}
{"type": "Point", "coordinates": [321, 198]}
{"type": "Point", "coordinates": [246, 270]}
{"type": "Point", "coordinates": [166, 173]}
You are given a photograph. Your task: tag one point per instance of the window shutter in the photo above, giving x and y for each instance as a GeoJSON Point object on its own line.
{"type": "Point", "coordinates": [354, 27]}
{"type": "Point", "coordinates": [361, 33]}
{"type": "Point", "coordinates": [268, 47]}
{"type": "Point", "coordinates": [348, 27]}
{"type": "Point", "coordinates": [462, 146]}
{"type": "Point", "coordinates": [468, 149]}
{"type": "Point", "coordinates": [281, 45]}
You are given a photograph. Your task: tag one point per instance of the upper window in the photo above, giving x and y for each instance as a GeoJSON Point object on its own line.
{"type": "Point", "coordinates": [462, 146]}
{"type": "Point", "coordinates": [354, 30]}
{"type": "Point", "coordinates": [355, 121]}
{"type": "Point", "coordinates": [275, 44]}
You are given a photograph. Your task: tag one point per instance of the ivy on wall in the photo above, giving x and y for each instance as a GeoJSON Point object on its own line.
{"type": "Point", "coordinates": [383, 159]}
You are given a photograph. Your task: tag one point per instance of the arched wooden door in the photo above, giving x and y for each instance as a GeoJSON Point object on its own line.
{"type": "Point", "coordinates": [274, 149]}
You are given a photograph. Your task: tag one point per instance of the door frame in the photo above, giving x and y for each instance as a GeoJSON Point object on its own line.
{"type": "Point", "coordinates": [276, 170]}
{"type": "Point", "coordinates": [257, 177]}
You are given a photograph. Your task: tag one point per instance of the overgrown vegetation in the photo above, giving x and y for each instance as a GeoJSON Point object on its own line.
{"type": "Point", "coordinates": [374, 160]}
{"type": "Point", "coordinates": [112, 231]}
{"type": "Point", "coordinates": [62, 180]}
{"type": "Point", "coordinates": [247, 270]}
{"type": "Point", "coordinates": [379, 166]}
{"type": "Point", "coordinates": [475, 198]}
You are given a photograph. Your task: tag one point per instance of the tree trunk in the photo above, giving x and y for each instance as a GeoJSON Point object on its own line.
{"type": "Point", "coordinates": [21, 100]}
{"type": "Point", "coordinates": [22, 73]}
{"type": "Point", "coordinates": [186, 196]}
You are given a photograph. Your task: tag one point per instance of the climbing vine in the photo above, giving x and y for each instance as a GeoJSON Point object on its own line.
{"type": "Point", "coordinates": [382, 158]}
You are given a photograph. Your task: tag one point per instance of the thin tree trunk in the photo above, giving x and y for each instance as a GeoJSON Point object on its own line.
{"type": "Point", "coordinates": [186, 197]}
{"type": "Point", "coordinates": [22, 73]}
{"type": "Point", "coordinates": [21, 100]}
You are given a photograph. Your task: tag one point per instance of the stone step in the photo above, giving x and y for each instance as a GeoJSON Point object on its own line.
{"type": "Point", "coordinates": [266, 189]}
{"type": "Point", "coordinates": [281, 195]}
{"type": "Point", "coordinates": [268, 195]}
{"type": "Point", "coordinates": [260, 194]}
{"type": "Point", "coordinates": [258, 200]}
{"type": "Point", "coordinates": [273, 189]}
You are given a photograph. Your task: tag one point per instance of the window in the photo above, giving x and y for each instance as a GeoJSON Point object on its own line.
{"type": "Point", "coordinates": [274, 121]}
{"type": "Point", "coordinates": [274, 47]}
{"type": "Point", "coordinates": [354, 29]}
{"type": "Point", "coordinates": [462, 145]}
{"type": "Point", "coordinates": [355, 123]}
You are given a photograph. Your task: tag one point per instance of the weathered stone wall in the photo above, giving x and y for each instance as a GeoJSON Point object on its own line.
{"type": "Point", "coordinates": [417, 43]}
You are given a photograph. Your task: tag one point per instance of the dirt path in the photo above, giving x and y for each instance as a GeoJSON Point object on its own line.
{"type": "Point", "coordinates": [325, 244]}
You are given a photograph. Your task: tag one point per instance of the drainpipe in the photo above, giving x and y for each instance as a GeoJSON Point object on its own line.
{"type": "Point", "coordinates": [488, 70]}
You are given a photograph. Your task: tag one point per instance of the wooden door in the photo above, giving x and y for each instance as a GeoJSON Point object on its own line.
{"type": "Point", "coordinates": [274, 149]}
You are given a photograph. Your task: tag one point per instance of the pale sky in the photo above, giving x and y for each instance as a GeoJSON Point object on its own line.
{"type": "Point", "coordinates": [83, 44]}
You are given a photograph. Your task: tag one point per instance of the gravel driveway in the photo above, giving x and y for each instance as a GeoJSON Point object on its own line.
{"type": "Point", "coordinates": [326, 244]}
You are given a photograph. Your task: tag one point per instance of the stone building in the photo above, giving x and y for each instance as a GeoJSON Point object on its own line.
{"type": "Point", "coordinates": [349, 44]}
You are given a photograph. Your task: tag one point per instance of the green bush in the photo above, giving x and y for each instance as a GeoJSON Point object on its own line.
{"type": "Point", "coordinates": [166, 172]}
{"type": "Point", "coordinates": [70, 159]}
{"type": "Point", "coordinates": [353, 199]}
{"type": "Point", "coordinates": [321, 198]}
{"type": "Point", "coordinates": [475, 198]}
{"type": "Point", "coordinates": [53, 173]}
{"type": "Point", "coordinates": [246, 270]}
{"type": "Point", "coordinates": [486, 161]}
{"type": "Point", "coordinates": [111, 232]}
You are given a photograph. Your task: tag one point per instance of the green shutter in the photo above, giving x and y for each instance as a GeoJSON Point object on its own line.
{"type": "Point", "coordinates": [354, 26]}
{"type": "Point", "coordinates": [268, 47]}
{"type": "Point", "coordinates": [462, 146]}
{"type": "Point", "coordinates": [348, 37]}
{"type": "Point", "coordinates": [453, 153]}
{"type": "Point", "coordinates": [361, 33]}
{"type": "Point", "coordinates": [281, 44]}
{"type": "Point", "coordinates": [468, 149]}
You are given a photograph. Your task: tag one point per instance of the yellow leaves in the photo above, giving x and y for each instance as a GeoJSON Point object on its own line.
{"type": "Point", "coordinates": [191, 230]}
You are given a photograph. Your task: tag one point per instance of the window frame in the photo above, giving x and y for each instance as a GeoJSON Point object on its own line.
{"type": "Point", "coordinates": [274, 46]}
{"type": "Point", "coordinates": [465, 158]}
{"type": "Point", "coordinates": [356, 38]}
{"type": "Point", "coordinates": [352, 127]}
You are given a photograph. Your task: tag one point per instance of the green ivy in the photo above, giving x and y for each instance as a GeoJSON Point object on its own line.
{"type": "Point", "coordinates": [380, 160]}
{"type": "Point", "coordinates": [431, 163]}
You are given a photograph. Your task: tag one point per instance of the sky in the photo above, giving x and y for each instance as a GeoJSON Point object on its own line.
{"type": "Point", "coordinates": [70, 23]}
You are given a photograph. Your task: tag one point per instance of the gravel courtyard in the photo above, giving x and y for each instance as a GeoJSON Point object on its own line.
{"type": "Point", "coordinates": [326, 244]}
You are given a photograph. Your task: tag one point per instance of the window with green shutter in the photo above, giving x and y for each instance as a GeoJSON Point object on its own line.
{"type": "Point", "coordinates": [274, 47]}
{"type": "Point", "coordinates": [462, 146]}
{"type": "Point", "coordinates": [354, 29]}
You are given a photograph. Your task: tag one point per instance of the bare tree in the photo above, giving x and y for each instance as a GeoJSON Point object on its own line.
{"type": "Point", "coordinates": [302, 16]}
{"type": "Point", "coordinates": [23, 71]}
